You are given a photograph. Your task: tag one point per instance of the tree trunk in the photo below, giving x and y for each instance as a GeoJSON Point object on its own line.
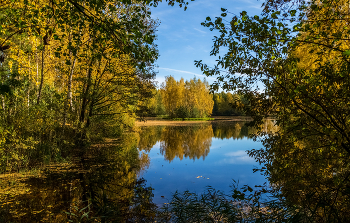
{"type": "Point", "coordinates": [69, 93]}
{"type": "Point", "coordinates": [86, 90]}
{"type": "Point", "coordinates": [42, 75]}
{"type": "Point", "coordinates": [85, 94]}
{"type": "Point", "coordinates": [4, 108]}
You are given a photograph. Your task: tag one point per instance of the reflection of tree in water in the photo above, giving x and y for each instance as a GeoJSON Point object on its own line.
{"type": "Point", "coordinates": [309, 174]}
{"type": "Point", "coordinates": [239, 129]}
{"type": "Point", "coordinates": [186, 141]}
{"type": "Point", "coordinates": [102, 179]}
{"type": "Point", "coordinates": [226, 130]}
{"type": "Point", "coordinates": [194, 141]}
{"type": "Point", "coordinates": [149, 136]}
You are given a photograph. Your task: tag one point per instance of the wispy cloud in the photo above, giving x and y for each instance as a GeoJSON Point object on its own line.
{"type": "Point", "coordinates": [189, 48]}
{"type": "Point", "coordinates": [199, 30]}
{"type": "Point", "coordinates": [184, 72]}
{"type": "Point", "coordinates": [254, 4]}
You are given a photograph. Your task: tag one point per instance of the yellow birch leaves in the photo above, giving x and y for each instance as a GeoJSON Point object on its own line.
{"type": "Point", "coordinates": [187, 99]}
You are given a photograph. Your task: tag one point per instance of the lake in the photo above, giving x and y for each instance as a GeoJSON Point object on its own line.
{"type": "Point", "coordinates": [113, 179]}
{"type": "Point", "coordinates": [192, 157]}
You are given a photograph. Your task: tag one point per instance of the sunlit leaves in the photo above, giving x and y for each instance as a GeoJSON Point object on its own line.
{"type": "Point", "coordinates": [187, 99]}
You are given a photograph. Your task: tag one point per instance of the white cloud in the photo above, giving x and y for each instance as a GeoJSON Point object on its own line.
{"type": "Point", "coordinates": [189, 48]}
{"type": "Point", "coordinates": [199, 30]}
{"type": "Point", "coordinates": [184, 72]}
{"type": "Point", "coordinates": [255, 6]}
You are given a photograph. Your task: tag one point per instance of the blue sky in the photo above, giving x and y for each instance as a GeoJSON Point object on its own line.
{"type": "Point", "coordinates": [182, 39]}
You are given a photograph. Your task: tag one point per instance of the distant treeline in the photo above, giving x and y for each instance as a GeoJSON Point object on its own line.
{"type": "Point", "coordinates": [192, 99]}
{"type": "Point", "coordinates": [229, 104]}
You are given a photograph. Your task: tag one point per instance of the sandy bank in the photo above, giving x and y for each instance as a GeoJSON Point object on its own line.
{"type": "Point", "coordinates": [149, 121]}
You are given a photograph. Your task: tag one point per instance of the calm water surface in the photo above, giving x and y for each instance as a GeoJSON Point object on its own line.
{"type": "Point", "coordinates": [106, 179]}
{"type": "Point", "coordinates": [193, 157]}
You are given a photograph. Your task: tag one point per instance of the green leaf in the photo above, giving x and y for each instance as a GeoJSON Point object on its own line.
{"type": "Point", "coordinates": [314, 7]}
{"type": "Point", "coordinates": [346, 53]}
{"type": "Point", "coordinates": [293, 12]}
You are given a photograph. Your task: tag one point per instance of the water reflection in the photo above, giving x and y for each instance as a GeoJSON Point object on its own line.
{"type": "Point", "coordinates": [312, 176]}
{"type": "Point", "coordinates": [191, 142]}
{"type": "Point", "coordinates": [235, 130]}
{"type": "Point", "coordinates": [100, 184]}
{"type": "Point", "coordinates": [194, 141]}
{"type": "Point", "coordinates": [193, 156]}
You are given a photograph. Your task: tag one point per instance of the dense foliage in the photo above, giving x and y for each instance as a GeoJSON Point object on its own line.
{"type": "Point", "coordinates": [229, 104]}
{"type": "Point", "coordinates": [70, 72]}
{"type": "Point", "coordinates": [292, 62]}
{"type": "Point", "coordinates": [187, 99]}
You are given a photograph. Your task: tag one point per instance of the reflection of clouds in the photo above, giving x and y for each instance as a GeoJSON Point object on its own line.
{"type": "Point", "coordinates": [237, 153]}
{"type": "Point", "coordinates": [237, 157]}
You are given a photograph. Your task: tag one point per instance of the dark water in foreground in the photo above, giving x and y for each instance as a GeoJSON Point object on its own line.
{"type": "Point", "coordinates": [112, 179]}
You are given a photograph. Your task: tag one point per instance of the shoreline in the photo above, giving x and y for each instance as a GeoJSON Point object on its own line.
{"type": "Point", "coordinates": [152, 121]}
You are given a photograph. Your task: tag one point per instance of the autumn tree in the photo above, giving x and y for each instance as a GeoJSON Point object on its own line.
{"type": "Point", "coordinates": [187, 99]}
{"type": "Point", "coordinates": [300, 56]}
{"type": "Point", "coordinates": [71, 71]}
{"type": "Point", "coordinates": [172, 94]}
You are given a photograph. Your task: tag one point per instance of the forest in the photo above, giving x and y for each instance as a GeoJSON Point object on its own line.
{"type": "Point", "coordinates": [65, 75]}
{"type": "Point", "coordinates": [74, 76]}
{"type": "Point", "coordinates": [193, 99]}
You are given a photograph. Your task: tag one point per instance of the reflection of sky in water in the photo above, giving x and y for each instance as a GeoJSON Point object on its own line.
{"type": "Point", "coordinates": [226, 160]}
